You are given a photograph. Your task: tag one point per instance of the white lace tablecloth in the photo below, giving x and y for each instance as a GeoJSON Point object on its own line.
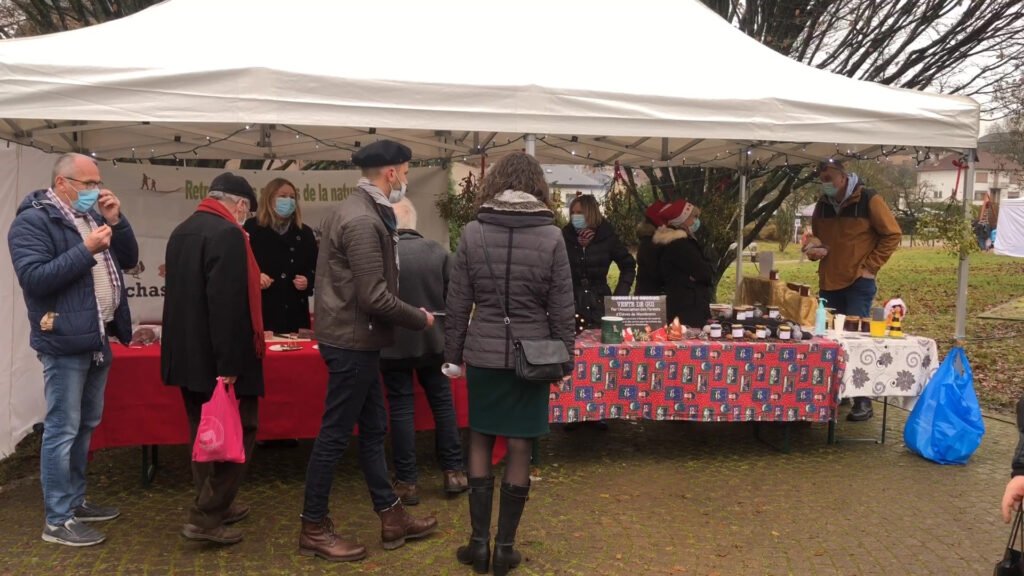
{"type": "Point", "coordinates": [886, 366]}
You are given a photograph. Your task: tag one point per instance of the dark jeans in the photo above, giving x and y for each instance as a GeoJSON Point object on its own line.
{"type": "Point", "coordinates": [353, 395]}
{"type": "Point", "coordinates": [403, 425]}
{"type": "Point", "coordinates": [854, 300]}
{"type": "Point", "coordinates": [217, 483]}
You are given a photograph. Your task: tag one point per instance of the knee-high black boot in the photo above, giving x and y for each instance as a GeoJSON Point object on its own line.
{"type": "Point", "coordinates": [478, 551]}
{"type": "Point", "coordinates": [510, 511]}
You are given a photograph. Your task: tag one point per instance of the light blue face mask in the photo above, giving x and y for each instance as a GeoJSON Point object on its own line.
{"type": "Point", "coordinates": [829, 189]}
{"type": "Point", "coordinates": [695, 226]}
{"type": "Point", "coordinates": [579, 221]}
{"type": "Point", "coordinates": [284, 207]}
{"type": "Point", "coordinates": [86, 199]}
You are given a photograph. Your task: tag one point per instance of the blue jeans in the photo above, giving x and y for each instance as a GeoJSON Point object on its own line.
{"type": "Point", "coordinates": [73, 386]}
{"type": "Point", "coordinates": [354, 395]}
{"type": "Point", "coordinates": [854, 300]}
{"type": "Point", "coordinates": [403, 423]}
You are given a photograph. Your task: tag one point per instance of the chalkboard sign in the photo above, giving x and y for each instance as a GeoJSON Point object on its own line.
{"type": "Point", "coordinates": [637, 311]}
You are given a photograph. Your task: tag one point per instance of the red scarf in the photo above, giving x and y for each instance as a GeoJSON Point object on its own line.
{"type": "Point", "coordinates": [212, 206]}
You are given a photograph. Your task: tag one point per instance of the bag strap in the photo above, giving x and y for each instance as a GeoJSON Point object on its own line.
{"type": "Point", "coordinates": [1018, 528]}
{"type": "Point", "coordinates": [497, 286]}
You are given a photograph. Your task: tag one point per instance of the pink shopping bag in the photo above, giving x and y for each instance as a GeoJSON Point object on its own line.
{"type": "Point", "coordinates": [219, 438]}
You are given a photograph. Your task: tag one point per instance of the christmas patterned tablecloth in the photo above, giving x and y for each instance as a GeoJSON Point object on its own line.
{"type": "Point", "coordinates": [886, 366]}
{"type": "Point", "coordinates": [701, 380]}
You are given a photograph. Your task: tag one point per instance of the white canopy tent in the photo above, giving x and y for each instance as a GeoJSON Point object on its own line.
{"type": "Point", "coordinates": [314, 80]}
{"type": "Point", "coordinates": [1010, 234]}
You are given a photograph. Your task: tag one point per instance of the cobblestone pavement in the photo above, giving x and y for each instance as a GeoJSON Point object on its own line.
{"type": "Point", "coordinates": [654, 498]}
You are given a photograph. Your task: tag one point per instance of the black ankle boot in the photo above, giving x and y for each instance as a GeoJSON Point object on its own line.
{"type": "Point", "coordinates": [861, 410]}
{"type": "Point", "coordinates": [510, 511]}
{"type": "Point", "coordinates": [478, 551]}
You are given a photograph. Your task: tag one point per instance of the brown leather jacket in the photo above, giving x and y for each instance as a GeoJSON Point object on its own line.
{"type": "Point", "coordinates": [356, 303]}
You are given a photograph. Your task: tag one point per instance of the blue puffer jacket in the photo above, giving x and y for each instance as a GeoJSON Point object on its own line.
{"type": "Point", "coordinates": [54, 269]}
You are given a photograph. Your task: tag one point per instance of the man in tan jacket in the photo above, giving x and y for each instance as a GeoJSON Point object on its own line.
{"type": "Point", "coordinates": [856, 233]}
{"type": "Point", "coordinates": [356, 311]}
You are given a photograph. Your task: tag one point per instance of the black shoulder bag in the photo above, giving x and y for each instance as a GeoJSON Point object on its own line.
{"type": "Point", "coordinates": [1010, 565]}
{"type": "Point", "coordinates": [536, 360]}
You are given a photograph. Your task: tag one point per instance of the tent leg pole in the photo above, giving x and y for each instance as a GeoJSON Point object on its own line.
{"type": "Point", "coordinates": [531, 144]}
{"type": "Point", "coordinates": [741, 224]}
{"type": "Point", "coordinates": [961, 293]}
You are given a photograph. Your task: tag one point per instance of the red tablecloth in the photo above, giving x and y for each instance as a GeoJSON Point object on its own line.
{"type": "Point", "coordinates": [710, 381]}
{"type": "Point", "coordinates": [140, 410]}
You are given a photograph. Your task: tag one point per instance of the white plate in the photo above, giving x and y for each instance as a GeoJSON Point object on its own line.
{"type": "Point", "coordinates": [281, 348]}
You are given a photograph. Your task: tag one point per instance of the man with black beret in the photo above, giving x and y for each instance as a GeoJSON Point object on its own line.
{"type": "Point", "coordinates": [356, 310]}
{"type": "Point", "coordinates": [213, 329]}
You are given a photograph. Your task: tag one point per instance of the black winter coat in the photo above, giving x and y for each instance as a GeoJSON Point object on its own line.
{"type": "Point", "coordinates": [207, 330]}
{"type": "Point", "coordinates": [687, 275]}
{"type": "Point", "coordinates": [283, 257]}
{"type": "Point", "coordinates": [648, 267]}
{"type": "Point", "coordinates": [590, 270]}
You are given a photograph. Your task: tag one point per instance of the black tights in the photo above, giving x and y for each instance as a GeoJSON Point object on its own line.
{"type": "Point", "coordinates": [517, 461]}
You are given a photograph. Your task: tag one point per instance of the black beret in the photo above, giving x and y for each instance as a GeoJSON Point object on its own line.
{"type": "Point", "coordinates": [228, 183]}
{"type": "Point", "coordinates": [833, 162]}
{"type": "Point", "coordinates": [382, 153]}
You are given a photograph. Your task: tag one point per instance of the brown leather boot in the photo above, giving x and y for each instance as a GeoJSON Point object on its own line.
{"type": "Point", "coordinates": [319, 539]}
{"type": "Point", "coordinates": [407, 492]}
{"type": "Point", "coordinates": [236, 513]}
{"type": "Point", "coordinates": [397, 526]}
{"type": "Point", "coordinates": [455, 482]}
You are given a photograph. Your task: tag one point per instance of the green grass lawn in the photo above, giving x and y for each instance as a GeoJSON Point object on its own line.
{"type": "Point", "coordinates": [926, 279]}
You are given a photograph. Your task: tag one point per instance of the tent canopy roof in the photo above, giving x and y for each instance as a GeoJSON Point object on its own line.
{"type": "Point", "coordinates": [309, 80]}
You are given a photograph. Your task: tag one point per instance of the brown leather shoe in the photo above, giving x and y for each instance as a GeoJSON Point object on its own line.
{"type": "Point", "coordinates": [455, 482]}
{"type": "Point", "coordinates": [407, 492]}
{"type": "Point", "coordinates": [236, 513]}
{"type": "Point", "coordinates": [319, 539]}
{"type": "Point", "coordinates": [220, 535]}
{"type": "Point", "coordinates": [397, 526]}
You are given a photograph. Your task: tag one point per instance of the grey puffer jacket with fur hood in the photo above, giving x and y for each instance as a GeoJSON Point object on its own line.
{"type": "Point", "coordinates": [530, 261]}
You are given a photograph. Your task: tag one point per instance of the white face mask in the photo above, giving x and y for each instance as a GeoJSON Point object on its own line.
{"type": "Point", "coordinates": [397, 194]}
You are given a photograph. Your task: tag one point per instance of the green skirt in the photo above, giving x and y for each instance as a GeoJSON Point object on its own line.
{"type": "Point", "coordinates": [503, 405]}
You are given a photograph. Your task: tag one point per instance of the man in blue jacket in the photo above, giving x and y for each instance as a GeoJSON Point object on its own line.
{"type": "Point", "coordinates": [69, 244]}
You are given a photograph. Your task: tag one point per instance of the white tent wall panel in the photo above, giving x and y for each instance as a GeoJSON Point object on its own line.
{"type": "Point", "coordinates": [21, 375]}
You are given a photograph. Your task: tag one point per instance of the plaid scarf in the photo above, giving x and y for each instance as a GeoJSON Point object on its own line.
{"type": "Point", "coordinates": [108, 259]}
{"type": "Point", "coordinates": [384, 209]}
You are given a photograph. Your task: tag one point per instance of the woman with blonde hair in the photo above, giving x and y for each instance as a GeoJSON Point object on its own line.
{"type": "Point", "coordinates": [592, 246]}
{"type": "Point", "coordinates": [526, 291]}
{"type": "Point", "coordinates": [286, 251]}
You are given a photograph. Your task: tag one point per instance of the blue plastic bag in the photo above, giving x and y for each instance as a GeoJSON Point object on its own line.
{"type": "Point", "coordinates": [945, 425]}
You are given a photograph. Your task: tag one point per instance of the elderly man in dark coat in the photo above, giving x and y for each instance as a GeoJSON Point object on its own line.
{"type": "Point", "coordinates": [213, 328]}
{"type": "Point", "coordinates": [423, 281]}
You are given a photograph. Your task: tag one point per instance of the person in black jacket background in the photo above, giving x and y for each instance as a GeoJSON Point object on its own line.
{"type": "Point", "coordinates": [592, 246]}
{"type": "Point", "coordinates": [686, 272]}
{"type": "Point", "coordinates": [286, 251]}
{"type": "Point", "coordinates": [648, 273]}
{"type": "Point", "coordinates": [1014, 492]}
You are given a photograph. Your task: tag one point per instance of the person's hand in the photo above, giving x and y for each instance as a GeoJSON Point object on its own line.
{"type": "Point", "coordinates": [817, 253]}
{"type": "Point", "coordinates": [430, 318]}
{"type": "Point", "coordinates": [98, 240]}
{"type": "Point", "coordinates": [300, 282]}
{"type": "Point", "coordinates": [110, 206]}
{"type": "Point", "coordinates": [1012, 496]}
{"type": "Point", "coordinates": [229, 379]}
{"type": "Point", "coordinates": [564, 380]}
{"type": "Point", "coordinates": [265, 281]}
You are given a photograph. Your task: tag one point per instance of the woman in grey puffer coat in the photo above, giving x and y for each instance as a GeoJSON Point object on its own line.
{"type": "Point", "coordinates": [529, 260]}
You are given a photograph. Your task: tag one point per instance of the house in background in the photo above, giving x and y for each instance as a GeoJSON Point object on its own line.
{"type": "Point", "coordinates": [568, 181]}
{"type": "Point", "coordinates": [996, 175]}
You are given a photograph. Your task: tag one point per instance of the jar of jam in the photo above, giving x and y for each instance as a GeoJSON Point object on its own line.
{"type": "Point", "coordinates": [774, 312]}
{"type": "Point", "coordinates": [761, 331]}
{"type": "Point", "coordinates": [785, 332]}
{"type": "Point", "coordinates": [716, 330]}
{"type": "Point", "coordinates": [852, 324]}
{"type": "Point", "coordinates": [737, 330]}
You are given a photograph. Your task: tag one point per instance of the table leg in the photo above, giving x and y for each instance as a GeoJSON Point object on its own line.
{"type": "Point", "coordinates": [150, 463]}
{"type": "Point", "coordinates": [831, 431]}
{"type": "Point", "coordinates": [885, 415]}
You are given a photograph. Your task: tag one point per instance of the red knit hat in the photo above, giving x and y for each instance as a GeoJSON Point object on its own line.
{"type": "Point", "coordinates": [675, 213]}
{"type": "Point", "coordinates": [652, 212]}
